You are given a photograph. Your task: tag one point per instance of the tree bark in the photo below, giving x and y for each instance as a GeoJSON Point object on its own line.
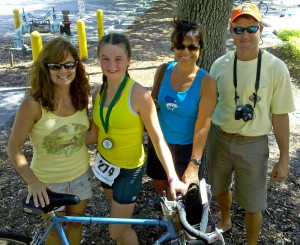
{"type": "Point", "coordinates": [214, 16]}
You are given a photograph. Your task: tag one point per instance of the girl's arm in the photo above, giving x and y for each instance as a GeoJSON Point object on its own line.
{"type": "Point", "coordinates": [143, 104]}
{"type": "Point", "coordinates": [91, 137]}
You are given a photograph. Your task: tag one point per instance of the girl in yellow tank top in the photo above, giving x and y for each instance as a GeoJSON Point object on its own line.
{"type": "Point", "coordinates": [122, 108]}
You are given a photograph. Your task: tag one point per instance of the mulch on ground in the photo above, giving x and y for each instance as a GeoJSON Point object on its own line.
{"type": "Point", "coordinates": [150, 43]}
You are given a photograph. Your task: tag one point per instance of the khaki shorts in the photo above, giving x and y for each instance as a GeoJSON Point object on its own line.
{"type": "Point", "coordinates": [81, 186]}
{"type": "Point", "coordinates": [243, 160]}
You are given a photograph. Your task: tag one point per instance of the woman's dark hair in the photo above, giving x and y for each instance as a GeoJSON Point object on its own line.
{"type": "Point", "coordinates": [114, 39]}
{"type": "Point", "coordinates": [185, 29]}
{"type": "Point", "coordinates": [41, 88]}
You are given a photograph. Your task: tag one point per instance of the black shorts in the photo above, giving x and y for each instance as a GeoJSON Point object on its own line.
{"type": "Point", "coordinates": [181, 156]}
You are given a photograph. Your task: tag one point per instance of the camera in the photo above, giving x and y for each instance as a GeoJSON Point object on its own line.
{"type": "Point", "coordinates": [244, 112]}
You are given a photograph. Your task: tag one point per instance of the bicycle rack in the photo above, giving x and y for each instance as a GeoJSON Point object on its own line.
{"type": "Point", "coordinates": [45, 24]}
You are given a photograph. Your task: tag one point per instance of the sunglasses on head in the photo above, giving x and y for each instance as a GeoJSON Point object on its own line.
{"type": "Point", "coordinates": [191, 48]}
{"type": "Point", "coordinates": [249, 29]}
{"type": "Point", "coordinates": [70, 65]}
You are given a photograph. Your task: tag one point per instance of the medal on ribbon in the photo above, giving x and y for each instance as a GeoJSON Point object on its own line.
{"type": "Point", "coordinates": [107, 143]}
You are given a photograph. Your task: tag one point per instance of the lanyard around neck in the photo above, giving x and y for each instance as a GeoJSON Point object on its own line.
{"type": "Point", "coordinates": [105, 122]}
{"type": "Point", "coordinates": [236, 97]}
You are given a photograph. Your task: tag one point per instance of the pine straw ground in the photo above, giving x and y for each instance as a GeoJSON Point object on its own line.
{"type": "Point", "coordinates": [150, 42]}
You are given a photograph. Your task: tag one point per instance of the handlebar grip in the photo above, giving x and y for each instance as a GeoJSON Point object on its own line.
{"type": "Point", "coordinates": [189, 228]}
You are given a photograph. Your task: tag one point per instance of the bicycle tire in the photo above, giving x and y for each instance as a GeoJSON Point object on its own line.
{"type": "Point", "coordinates": [14, 238]}
{"type": "Point", "coordinates": [263, 8]}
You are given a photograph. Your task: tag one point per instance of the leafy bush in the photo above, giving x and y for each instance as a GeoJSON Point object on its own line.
{"type": "Point", "coordinates": [292, 42]}
{"type": "Point", "coordinates": [285, 35]}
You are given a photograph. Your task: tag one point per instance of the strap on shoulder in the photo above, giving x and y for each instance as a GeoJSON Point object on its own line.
{"type": "Point", "coordinates": [158, 81]}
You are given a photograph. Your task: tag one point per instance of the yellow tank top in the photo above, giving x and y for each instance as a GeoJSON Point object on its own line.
{"type": "Point", "coordinates": [125, 130]}
{"type": "Point", "coordinates": [59, 151]}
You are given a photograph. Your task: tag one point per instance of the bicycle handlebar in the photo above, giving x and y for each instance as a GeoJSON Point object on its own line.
{"type": "Point", "coordinates": [56, 199]}
{"type": "Point", "coordinates": [189, 228]}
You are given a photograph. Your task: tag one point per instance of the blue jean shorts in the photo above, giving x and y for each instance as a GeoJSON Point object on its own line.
{"type": "Point", "coordinates": [127, 185]}
{"type": "Point", "coordinates": [81, 186]}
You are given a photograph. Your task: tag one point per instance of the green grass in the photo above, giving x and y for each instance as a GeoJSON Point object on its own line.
{"type": "Point", "coordinates": [292, 42]}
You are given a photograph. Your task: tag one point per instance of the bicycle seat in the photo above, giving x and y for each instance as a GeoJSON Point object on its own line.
{"type": "Point", "coordinates": [56, 199]}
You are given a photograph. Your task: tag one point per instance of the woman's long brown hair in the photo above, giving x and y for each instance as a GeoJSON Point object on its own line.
{"type": "Point", "coordinates": [41, 87]}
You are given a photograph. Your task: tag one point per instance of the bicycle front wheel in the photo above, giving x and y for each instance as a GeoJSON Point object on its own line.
{"type": "Point", "coordinates": [263, 8]}
{"type": "Point", "coordinates": [7, 238]}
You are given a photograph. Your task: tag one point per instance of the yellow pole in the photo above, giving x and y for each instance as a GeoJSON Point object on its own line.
{"type": "Point", "coordinates": [100, 24]}
{"type": "Point", "coordinates": [17, 18]}
{"type": "Point", "coordinates": [83, 53]}
{"type": "Point", "coordinates": [36, 44]}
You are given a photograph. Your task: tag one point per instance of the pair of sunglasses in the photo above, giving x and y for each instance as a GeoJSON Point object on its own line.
{"type": "Point", "coordinates": [191, 48]}
{"type": "Point", "coordinates": [249, 29]}
{"type": "Point", "coordinates": [70, 65]}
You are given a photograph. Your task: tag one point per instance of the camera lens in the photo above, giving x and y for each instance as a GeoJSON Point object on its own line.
{"type": "Point", "coordinates": [246, 117]}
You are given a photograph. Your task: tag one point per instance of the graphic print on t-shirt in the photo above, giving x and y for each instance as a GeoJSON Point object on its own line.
{"type": "Point", "coordinates": [65, 140]}
{"type": "Point", "coordinates": [170, 103]}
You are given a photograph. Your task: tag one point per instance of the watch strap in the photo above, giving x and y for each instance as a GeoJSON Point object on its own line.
{"type": "Point", "coordinates": [196, 160]}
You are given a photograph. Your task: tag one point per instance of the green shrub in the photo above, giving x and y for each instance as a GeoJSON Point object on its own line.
{"type": "Point", "coordinates": [284, 35]}
{"type": "Point", "coordinates": [292, 42]}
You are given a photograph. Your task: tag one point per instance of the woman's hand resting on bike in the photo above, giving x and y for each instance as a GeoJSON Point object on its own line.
{"type": "Point", "coordinates": [38, 191]}
{"type": "Point", "coordinates": [177, 186]}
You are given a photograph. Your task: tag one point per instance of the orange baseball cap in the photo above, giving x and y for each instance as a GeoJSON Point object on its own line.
{"type": "Point", "coordinates": [246, 9]}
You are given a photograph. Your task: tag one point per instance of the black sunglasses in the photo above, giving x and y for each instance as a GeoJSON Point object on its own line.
{"type": "Point", "coordinates": [249, 29]}
{"type": "Point", "coordinates": [191, 48]}
{"type": "Point", "coordinates": [70, 65]}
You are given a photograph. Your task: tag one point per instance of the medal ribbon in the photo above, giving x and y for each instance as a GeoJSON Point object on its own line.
{"type": "Point", "coordinates": [105, 122]}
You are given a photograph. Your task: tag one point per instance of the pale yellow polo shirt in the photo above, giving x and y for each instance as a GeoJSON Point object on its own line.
{"type": "Point", "coordinates": [275, 93]}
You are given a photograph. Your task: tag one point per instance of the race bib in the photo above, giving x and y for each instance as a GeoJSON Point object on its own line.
{"type": "Point", "coordinates": [105, 171]}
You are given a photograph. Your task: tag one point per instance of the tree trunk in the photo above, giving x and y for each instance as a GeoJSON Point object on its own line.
{"type": "Point", "coordinates": [214, 16]}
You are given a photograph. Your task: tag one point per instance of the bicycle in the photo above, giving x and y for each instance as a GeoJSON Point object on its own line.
{"type": "Point", "coordinates": [238, 2]}
{"type": "Point", "coordinates": [188, 235]}
{"type": "Point", "coordinates": [263, 7]}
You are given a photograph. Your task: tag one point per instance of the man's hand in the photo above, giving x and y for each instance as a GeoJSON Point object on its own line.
{"type": "Point", "coordinates": [280, 172]}
{"type": "Point", "coordinates": [191, 174]}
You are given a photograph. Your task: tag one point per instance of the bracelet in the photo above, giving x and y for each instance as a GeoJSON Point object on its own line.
{"type": "Point", "coordinates": [170, 180]}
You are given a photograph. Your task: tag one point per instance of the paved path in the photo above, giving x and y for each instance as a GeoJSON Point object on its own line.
{"type": "Point", "coordinates": [118, 15]}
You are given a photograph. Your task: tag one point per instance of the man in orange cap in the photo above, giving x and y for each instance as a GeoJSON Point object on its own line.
{"type": "Point", "coordinates": [252, 86]}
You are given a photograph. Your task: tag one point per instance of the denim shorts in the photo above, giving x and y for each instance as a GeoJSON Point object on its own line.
{"type": "Point", "coordinates": [81, 186]}
{"type": "Point", "coordinates": [181, 156]}
{"type": "Point", "coordinates": [245, 162]}
{"type": "Point", "coordinates": [127, 185]}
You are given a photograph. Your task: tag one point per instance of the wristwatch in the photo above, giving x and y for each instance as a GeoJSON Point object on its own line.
{"type": "Point", "coordinates": [196, 160]}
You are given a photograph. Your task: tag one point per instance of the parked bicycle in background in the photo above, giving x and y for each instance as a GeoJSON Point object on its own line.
{"type": "Point", "coordinates": [263, 7]}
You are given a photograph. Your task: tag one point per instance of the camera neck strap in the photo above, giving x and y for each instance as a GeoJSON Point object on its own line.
{"type": "Point", "coordinates": [236, 97]}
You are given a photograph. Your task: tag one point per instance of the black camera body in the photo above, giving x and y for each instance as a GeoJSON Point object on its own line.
{"type": "Point", "coordinates": [245, 112]}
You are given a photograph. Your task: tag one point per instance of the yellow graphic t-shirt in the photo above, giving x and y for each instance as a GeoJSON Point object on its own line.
{"type": "Point", "coordinates": [59, 151]}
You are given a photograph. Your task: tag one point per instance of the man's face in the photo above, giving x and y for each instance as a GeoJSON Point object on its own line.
{"type": "Point", "coordinates": [246, 33]}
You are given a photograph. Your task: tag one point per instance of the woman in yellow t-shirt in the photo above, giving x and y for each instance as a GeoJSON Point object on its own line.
{"type": "Point", "coordinates": [54, 114]}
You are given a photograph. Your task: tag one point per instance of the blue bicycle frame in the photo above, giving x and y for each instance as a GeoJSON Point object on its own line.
{"type": "Point", "coordinates": [56, 221]}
